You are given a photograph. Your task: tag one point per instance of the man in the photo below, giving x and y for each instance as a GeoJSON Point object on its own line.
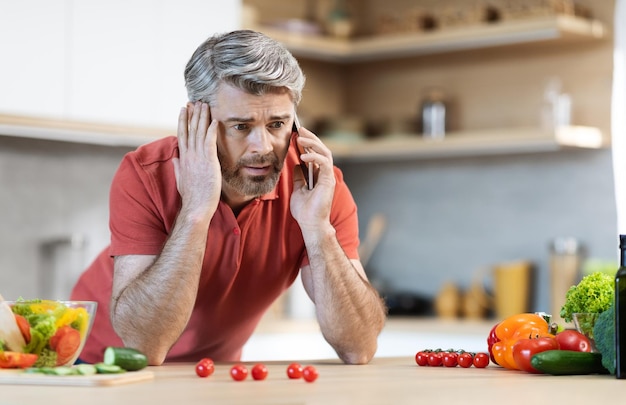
{"type": "Point", "coordinates": [209, 228]}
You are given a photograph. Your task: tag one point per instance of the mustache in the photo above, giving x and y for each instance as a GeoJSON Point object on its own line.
{"type": "Point", "coordinates": [269, 159]}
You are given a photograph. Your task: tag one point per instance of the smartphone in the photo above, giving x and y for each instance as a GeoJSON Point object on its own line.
{"type": "Point", "coordinates": [307, 168]}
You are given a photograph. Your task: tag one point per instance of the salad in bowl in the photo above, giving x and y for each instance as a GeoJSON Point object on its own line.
{"type": "Point", "coordinates": [43, 333]}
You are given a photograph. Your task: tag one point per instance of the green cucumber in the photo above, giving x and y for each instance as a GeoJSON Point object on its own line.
{"type": "Point", "coordinates": [125, 357]}
{"type": "Point", "coordinates": [568, 362]}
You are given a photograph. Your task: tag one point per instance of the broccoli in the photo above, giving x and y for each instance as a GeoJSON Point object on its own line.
{"type": "Point", "coordinates": [604, 338]}
{"type": "Point", "coordinates": [593, 294]}
{"type": "Point", "coordinates": [47, 358]}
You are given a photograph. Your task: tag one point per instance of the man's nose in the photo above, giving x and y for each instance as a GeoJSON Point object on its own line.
{"type": "Point", "coordinates": [260, 141]}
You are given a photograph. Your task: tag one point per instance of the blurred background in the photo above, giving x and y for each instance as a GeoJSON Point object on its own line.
{"type": "Point", "coordinates": [471, 133]}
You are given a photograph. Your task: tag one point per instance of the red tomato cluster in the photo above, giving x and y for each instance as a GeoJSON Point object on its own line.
{"type": "Point", "coordinates": [239, 372]}
{"type": "Point", "coordinates": [451, 358]}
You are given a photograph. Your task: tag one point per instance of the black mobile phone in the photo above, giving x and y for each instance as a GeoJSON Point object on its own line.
{"type": "Point", "coordinates": [307, 168]}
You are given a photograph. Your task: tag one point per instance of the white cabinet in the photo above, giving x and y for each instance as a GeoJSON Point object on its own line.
{"type": "Point", "coordinates": [117, 61]}
{"type": "Point", "coordinates": [33, 57]}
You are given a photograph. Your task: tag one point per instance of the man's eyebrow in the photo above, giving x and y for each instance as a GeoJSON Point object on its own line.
{"type": "Point", "coordinates": [249, 119]}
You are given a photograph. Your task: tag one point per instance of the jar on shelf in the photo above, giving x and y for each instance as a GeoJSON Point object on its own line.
{"type": "Point", "coordinates": [433, 115]}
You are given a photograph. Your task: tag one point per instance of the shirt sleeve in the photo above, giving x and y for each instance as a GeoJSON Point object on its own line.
{"type": "Point", "coordinates": [344, 218]}
{"type": "Point", "coordinates": [136, 224]}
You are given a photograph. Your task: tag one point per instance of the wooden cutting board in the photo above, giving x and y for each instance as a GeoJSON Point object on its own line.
{"type": "Point", "coordinates": [19, 377]}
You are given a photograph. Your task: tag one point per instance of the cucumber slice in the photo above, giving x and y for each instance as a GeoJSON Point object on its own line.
{"type": "Point", "coordinates": [86, 369]}
{"type": "Point", "coordinates": [102, 368]}
{"type": "Point", "coordinates": [125, 357]}
{"type": "Point", "coordinates": [63, 370]}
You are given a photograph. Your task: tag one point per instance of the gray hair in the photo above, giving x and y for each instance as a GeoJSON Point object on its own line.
{"type": "Point", "coordinates": [245, 59]}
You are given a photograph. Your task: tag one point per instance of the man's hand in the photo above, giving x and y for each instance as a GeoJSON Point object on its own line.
{"type": "Point", "coordinates": [311, 208]}
{"type": "Point", "coordinates": [197, 170]}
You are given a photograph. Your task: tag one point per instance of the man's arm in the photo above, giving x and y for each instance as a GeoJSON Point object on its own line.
{"type": "Point", "coordinates": [350, 312]}
{"type": "Point", "coordinates": [153, 296]}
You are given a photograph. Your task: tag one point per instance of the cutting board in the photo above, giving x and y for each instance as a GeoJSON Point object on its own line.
{"type": "Point", "coordinates": [19, 377]}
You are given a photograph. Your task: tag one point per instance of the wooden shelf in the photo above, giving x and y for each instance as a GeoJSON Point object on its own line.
{"type": "Point", "coordinates": [78, 132]}
{"type": "Point", "coordinates": [391, 148]}
{"type": "Point", "coordinates": [559, 28]}
{"type": "Point", "coordinates": [464, 144]}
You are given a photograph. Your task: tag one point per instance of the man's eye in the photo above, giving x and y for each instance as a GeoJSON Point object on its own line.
{"type": "Point", "coordinates": [277, 124]}
{"type": "Point", "coordinates": [241, 127]}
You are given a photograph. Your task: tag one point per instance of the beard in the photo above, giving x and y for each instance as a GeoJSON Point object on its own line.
{"type": "Point", "coordinates": [251, 185]}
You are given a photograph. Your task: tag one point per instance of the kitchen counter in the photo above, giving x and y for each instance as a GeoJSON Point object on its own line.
{"type": "Point", "coordinates": [383, 381]}
{"type": "Point", "coordinates": [283, 339]}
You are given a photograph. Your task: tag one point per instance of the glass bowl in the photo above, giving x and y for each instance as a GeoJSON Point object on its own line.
{"type": "Point", "coordinates": [584, 323]}
{"type": "Point", "coordinates": [55, 328]}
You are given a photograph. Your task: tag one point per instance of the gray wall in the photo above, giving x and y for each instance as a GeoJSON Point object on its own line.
{"type": "Point", "coordinates": [447, 218]}
{"type": "Point", "coordinates": [49, 191]}
{"type": "Point", "coordinates": [450, 218]}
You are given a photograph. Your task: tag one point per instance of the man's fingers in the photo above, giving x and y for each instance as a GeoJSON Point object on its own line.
{"type": "Point", "coordinates": [182, 129]}
{"type": "Point", "coordinates": [203, 125]}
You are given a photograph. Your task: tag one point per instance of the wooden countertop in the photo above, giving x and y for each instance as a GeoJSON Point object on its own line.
{"type": "Point", "coordinates": [383, 381]}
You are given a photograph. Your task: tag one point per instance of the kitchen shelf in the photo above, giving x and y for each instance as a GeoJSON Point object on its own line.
{"type": "Point", "coordinates": [390, 148]}
{"type": "Point", "coordinates": [501, 141]}
{"type": "Point", "coordinates": [558, 28]}
{"type": "Point", "coordinates": [78, 132]}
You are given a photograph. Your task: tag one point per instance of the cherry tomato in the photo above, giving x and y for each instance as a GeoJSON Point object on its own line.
{"type": "Point", "coordinates": [205, 367]}
{"type": "Point", "coordinates": [435, 359]}
{"type": "Point", "coordinates": [310, 374]}
{"type": "Point", "coordinates": [421, 358]}
{"type": "Point", "coordinates": [491, 340]}
{"type": "Point", "coordinates": [259, 372]}
{"type": "Point", "coordinates": [525, 349]}
{"type": "Point", "coordinates": [465, 360]}
{"type": "Point", "coordinates": [17, 360]}
{"type": "Point", "coordinates": [239, 372]}
{"type": "Point", "coordinates": [481, 360]}
{"type": "Point", "coordinates": [570, 339]}
{"type": "Point", "coordinates": [449, 359]}
{"type": "Point", "coordinates": [294, 371]}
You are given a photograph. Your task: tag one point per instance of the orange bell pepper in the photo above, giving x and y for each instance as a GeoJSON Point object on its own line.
{"type": "Point", "coordinates": [514, 328]}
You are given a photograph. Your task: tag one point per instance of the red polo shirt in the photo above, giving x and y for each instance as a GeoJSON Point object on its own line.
{"type": "Point", "coordinates": [249, 261]}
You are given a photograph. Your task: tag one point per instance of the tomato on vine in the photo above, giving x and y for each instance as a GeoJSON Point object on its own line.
{"type": "Point", "coordinates": [449, 359]}
{"type": "Point", "coordinates": [465, 360]}
{"type": "Point", "coordinates": [435, 359]}
{"type": "Point", "coordinates": [481, 360]}
{"type": "Point", "coordinates": [421, 358]}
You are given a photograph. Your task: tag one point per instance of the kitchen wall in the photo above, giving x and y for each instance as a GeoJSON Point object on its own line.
{"type": "Point", "coordinates": [447, 218]}
{"type": "Point", "coordinates": [51, 192]}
